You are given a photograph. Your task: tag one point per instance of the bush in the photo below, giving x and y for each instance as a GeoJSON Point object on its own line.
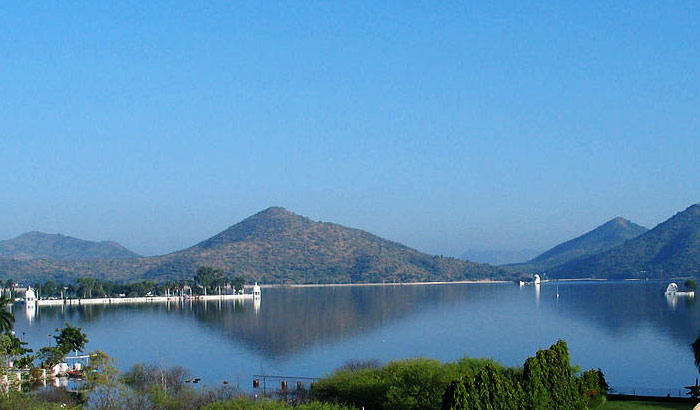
{"type": "Point", "coordinates": [406, 384]}
{"type": "Point", "coordinates": [489, 389]}
{"type": "Point", "coordinates": [243, 403]}
{"type": "Point", "coordinates": [546, 382]}
{"type": "Point", "coordinates": [549, 380]}
{"type": "Point", "coordinates": [593, 387]}
{"type": "Point", "coordinates": [362, 388]}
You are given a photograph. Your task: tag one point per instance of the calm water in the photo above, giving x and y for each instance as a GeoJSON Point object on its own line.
{"type": "Point", "coordinates": [630, 330]}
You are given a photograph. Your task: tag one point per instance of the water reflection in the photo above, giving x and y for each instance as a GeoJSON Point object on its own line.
{"type": "Point", "coordinates": [672, 301]}
{"type": "Point", "coordinates": [293, 319]}
{"type": "Point", "coordinates": [490, 320]}
{"type": "Point", "coordinates": [297, 318]}
{"type": "Point", "coordinates": [621, 308]}
{"type": "Point", "coordinates": [30, 311]}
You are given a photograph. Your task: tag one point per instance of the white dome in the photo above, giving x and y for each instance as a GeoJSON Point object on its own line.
{"type": "Point", "coordinates": [29, 295]}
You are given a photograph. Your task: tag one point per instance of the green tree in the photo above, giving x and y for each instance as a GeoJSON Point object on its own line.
{"type": "Point", "coordinates": [70, 338]}
{"type": "Point", "coordinates": [86, 287]}
{"type": "Point", "coordinates": [691, 285]}
{"type": "Point", "coordinates": [415, 384]}
{"type": "Point", "coordinates": [10, 285]}
{"type": "Point", "coordinates": [13, 349]}
{"type": "Point", "coordinates": [50, 288]}
{"type": "Point", "coordinates": [50, 356]}
{"type": "Point", "coordinates": [207, 277]}
{"type": "Point", "coordinates": [489, 389]}
{"type": "Point", "coordinates": [238, 283]}
{"type": "Point", "coordinates": [549, 380]}
{"type": "Point", "coordinates": [7, 319]}
{"type": "Point", "coordinates": [696, 351]}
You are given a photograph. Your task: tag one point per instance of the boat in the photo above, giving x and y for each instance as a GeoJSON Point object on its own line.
{"type": "Point", "coordinates": [75, 374]}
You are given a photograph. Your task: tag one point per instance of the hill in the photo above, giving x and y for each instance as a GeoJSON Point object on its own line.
{"type": "Point", "coordinates": [671, 249]}
{"type": "Point", "coordinates": [607, 236]}
{"type": "Point", "coordinates": [39, 245]}
{"type": "Point", "coordinates": [499, 257]}
{"type": "Point", "coordinates": [275, 246]}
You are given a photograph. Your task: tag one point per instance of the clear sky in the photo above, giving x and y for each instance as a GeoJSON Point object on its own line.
{"type": "Point", "coordinates": [442, 125]}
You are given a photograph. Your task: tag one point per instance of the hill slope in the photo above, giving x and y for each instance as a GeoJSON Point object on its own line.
{"type": "Point", "coordinates": [672, 248]}
{"type": "Point", "coordinates": [274, 246]}
{"type": "Point", "coordinates": [607, 236]}
{"type": "Point", "coordinates": [499, 257]}
{"type": "Point", "coordinates": [39, 245]}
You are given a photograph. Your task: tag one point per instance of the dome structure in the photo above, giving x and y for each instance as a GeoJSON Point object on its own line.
{"type": "Point", "coordinates": [672, 288]}
{"type": "Point", "coordinates": [29, 296]}
{"type": "Point", "coordinates": [256, 291]}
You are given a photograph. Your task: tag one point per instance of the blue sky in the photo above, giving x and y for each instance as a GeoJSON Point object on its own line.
{"type": "Point", "coordinates": [442, 125]}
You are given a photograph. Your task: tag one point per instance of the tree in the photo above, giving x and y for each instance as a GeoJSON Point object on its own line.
{"type": "Point", "coordinates": [50, 288]}
{"type": "Point", "coordinates": [12, 348]}
{"type": "Point", "coordinates": [549, 381]}
{"type": "Point", "coordinates": [7, 319]}
{"type": "Point", "coordinates": [238, 283]}
{"type": "Point", "coordinates": [691, 285]}
{"type": "Point", "coordinates": [70, 338]}
{"type": "Point", "coordinates": [50, 356]}
{"type": "Point", "coordinates": [489, 388]}
{"type": "Point", "coordinates": [86, 287]}
{"type": "Point", "coordinates": [696, 351]}
{"type": "Point", "coordinates": [207, 277]}
{"type": "Point", "coordinates": [10, 284]}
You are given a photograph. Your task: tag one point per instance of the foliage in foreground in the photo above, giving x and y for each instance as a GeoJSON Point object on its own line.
{"type": "Point", "coordinates": [242, 403]}
{"type": "Point", "coordinates": [547, 382]}
{"type": "Point", "coordinates": [16, 400]}
{"type": "Point", "coordinates": [406, 384]}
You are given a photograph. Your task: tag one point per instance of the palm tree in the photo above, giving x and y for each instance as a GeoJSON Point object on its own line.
{"type": "Point", "coordinates": [7, 319]}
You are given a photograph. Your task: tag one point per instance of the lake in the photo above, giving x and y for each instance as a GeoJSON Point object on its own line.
{"type": "Point", "coordinates": [638, 337]}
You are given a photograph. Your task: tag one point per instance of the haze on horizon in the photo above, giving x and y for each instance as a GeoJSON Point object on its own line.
{"type": "Point", "coordinates": [446, 127]}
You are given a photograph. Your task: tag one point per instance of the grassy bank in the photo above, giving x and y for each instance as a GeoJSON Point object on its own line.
{"type": "Point", "coordinates": [644, 405]}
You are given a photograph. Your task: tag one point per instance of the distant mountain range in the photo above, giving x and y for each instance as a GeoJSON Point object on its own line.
{"type": "Point", "coordinates": [273, 246]}
{"type": "Point", "coordinates": [39, 245]}
{"type": "Point", "coordinates": [499, 257]}
{"type": "Point", "coordinates": [278, 246]}
{"type": "Point", "coordinates": [670, 249]}
{"type": "Point", "coordinates": [607, 236]}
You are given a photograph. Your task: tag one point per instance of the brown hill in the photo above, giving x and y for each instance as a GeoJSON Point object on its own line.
{"type": "Point", "coordinates": [274, 246]}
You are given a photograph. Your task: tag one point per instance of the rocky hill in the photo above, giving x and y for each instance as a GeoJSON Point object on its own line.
{"type": "Point", "coordinates": [671, 249]}
{"type": "Point", "coordinates": [39, 245]}
{"type": "Point", "coordinates": [607, 236]}
{"type": "Point", "coordinates": [274, 246]}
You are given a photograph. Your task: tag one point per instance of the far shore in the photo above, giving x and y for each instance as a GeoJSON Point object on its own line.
{"type": "Point", "coordinates": [321, 285]}
{"type": "Point", "coordinates": [456, 282]}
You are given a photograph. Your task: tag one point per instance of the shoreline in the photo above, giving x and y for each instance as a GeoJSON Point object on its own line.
{"type": "Point", "coordinates": [323, 285]}
{"type": "Point", "coordinates": [457, 282]}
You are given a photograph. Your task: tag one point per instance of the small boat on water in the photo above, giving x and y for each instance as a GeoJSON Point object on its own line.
{"type": "Point", "coordinates": [75, 374]}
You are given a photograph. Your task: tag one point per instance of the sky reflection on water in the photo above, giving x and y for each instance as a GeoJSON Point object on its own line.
{"type": "Point", "coordinates": [630, 330]}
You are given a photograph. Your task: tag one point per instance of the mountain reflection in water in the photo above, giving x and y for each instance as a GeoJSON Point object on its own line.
{"type": "Point", "coordinates": [629, 329]}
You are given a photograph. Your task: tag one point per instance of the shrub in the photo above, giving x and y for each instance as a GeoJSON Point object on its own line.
{"type": "Point", "coordinates": [489, 389]}
{"type": "Point", "coordinates": [547, 381]}
{"type": "Point", "coordinates": [405, 384]}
